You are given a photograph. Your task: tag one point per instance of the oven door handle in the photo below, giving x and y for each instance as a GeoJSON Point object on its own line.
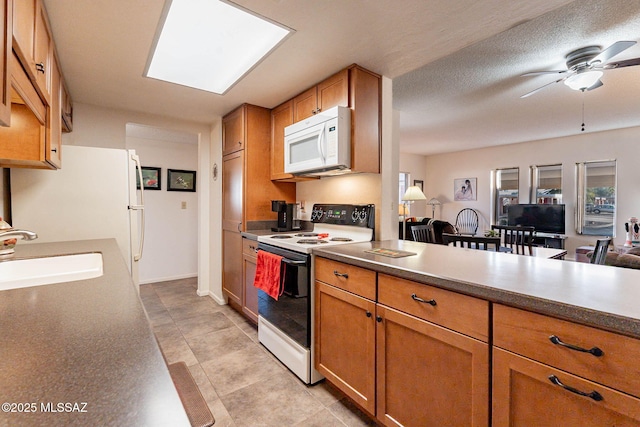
{"type": "Point", "coordinates": [292, 262]}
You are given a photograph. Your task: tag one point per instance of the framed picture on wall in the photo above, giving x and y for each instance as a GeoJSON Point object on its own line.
{"type": "Point", "coordinates": [464, 189]}
{"type": "Point", "coordinates": [150, 178]}
{"type": "Point", "coordinates": [419, 183]}
{"type": "Point", "coordinates": [181, 180]}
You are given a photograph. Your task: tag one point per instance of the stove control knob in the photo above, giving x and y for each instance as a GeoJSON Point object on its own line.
{"type": "Point", "coordinates": [354, 215]}
{"type": "Point", "coordinates": [363, 215]}
{"type": "Point", "coordinates": [317, 214]}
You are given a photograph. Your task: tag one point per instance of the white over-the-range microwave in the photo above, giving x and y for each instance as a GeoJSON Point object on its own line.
{"type": "Point", "coordinates": [320, 144]}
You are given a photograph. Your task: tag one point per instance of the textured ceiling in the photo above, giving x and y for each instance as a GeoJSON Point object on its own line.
{"type": "Point", "coordinates": [471, 98]}
{"type": "Point", "coordinates": [455, 63]}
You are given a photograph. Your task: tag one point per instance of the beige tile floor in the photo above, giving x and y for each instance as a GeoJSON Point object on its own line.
{"type": "Point", "coordinates": [243, 384]}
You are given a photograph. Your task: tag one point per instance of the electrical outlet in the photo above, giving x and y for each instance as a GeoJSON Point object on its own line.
{"type": "Point", "coordinates": [184, 205]}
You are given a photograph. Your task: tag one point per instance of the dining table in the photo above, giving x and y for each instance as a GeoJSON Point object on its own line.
{"type": "Point", "coordinates": [536, 251]}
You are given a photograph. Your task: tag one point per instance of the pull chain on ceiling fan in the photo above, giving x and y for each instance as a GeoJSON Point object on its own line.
{"type": "Point", "coordinates": [585, 67]}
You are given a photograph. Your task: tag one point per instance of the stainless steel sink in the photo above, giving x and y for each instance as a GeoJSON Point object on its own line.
{"type": "Point", "coordinates": [22, 273]}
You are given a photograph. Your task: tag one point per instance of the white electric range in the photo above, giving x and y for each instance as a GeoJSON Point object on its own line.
{"type": "Point", "coordinates": [285, 326]}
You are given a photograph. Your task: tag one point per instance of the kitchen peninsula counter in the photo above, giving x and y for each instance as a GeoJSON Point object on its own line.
{"type": "Point", "coordinates": [596, 295]}
{"type": "Point", "coordinates": [86, 345]}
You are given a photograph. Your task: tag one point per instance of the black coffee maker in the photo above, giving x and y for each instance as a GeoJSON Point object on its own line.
{"type": "Point", "coordinates": [285, 215]}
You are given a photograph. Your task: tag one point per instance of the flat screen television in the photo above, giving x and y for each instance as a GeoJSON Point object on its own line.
{"type": "Point", "coordinates": [545, 218]}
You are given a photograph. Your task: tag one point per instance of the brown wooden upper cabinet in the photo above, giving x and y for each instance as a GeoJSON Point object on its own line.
{"type": "Point", "coordinates": [329, 93]}
{"type": "Point", "coordinates": [32, 43]}
{"type": "Point", "coordinates": [6, 30]}
{"type": "Point", "coordinates": [66, 107]}
{"type": "Point", "coordinates": [353, 87]}
{"type": "Point", "coordinates": [31, 110]}
{"type": "Point", "coordinates": [233, 131]}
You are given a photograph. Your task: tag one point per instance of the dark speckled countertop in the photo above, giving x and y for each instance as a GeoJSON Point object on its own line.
{"type": "Point", "coordinates": [87, 344]}
{"type": "Point", "coordinates": [597, 295]}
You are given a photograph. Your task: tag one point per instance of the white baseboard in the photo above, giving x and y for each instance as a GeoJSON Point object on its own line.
{"type": "Point", "coordinates": [166, 279]}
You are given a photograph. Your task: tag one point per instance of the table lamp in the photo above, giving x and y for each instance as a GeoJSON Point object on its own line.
{"type": "Point", "coordinates": [412, 194]}
{"type": "Point", "coordinates": [433, 202]}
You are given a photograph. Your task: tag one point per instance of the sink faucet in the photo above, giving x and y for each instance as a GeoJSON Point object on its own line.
{"type": "Point", "coordinates": [8, 238]}
{"type": "Point", "coordinates": [15, 232]}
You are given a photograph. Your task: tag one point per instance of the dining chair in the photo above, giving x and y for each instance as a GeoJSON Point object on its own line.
{"type": "Point", "coordinates": [467, 221]}
{"type": "Point", "coordinates": [472, 242]}
{"type": "Point", "coordinates": [599, 255]}
{"type": "Point", "coordinates": [518, 238]}
{"type": "Point", "coordinates": [420, 233]}
{"type": "Point", "coordinates": [437, 227]}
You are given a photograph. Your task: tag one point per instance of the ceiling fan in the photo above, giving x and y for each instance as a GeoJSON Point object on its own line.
{"type": "Point", "coordinates": [585, 66]}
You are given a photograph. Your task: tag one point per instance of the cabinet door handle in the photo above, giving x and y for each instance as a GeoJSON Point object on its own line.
{"type": "Point", "coordinates": [417, 298]}
{"type": "Point", "coordinates": [55, 150]}
{"type": "Point", "coordinates": [368, 313]}
{"type": "Point", "coordinates": [40, 67]}
{"type": "Point", "coordinates": [378, 319]}
{"type": "Point", "coordinates": [594, 394]}
{"type": "Point", "coordinates": [313, 111]}
{"type": "Point", "coordinates": [597, 352]}
{"type": "Point", "coordinates": [338, 274]}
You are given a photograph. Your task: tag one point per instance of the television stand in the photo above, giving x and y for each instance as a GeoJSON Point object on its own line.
{"type": "Point", "coordinates": [549, 240]}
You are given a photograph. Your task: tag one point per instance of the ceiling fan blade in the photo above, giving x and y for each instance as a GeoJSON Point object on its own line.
{"type": "Point", "coordinates": [542, 87]}
{"type": "Point", "coordinates": [596, 85]}
{"type": "Point", "coordinates": [611, 51]}
{"type": "Point", "coordinates": [540, 73]}
{"type": "Point", "coordinates": [620, 64]}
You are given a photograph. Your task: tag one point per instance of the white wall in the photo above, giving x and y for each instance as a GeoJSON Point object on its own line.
{"type": "Point", "coordinates": [171, 244]}
{"type": "Point", "coordinates": [102, 127]}
{"type": "Point", "coordinates": [620, 144]}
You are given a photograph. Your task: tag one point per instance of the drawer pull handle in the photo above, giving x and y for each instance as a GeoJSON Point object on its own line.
{"type": "Point", "coordinates": [594, 394]}
{"type": "Point", "coordinates": [417, 298]}
{"type": "Point", "coordinates": [338, 274]}
{"type": "Point", "coordinates": [594, 350]}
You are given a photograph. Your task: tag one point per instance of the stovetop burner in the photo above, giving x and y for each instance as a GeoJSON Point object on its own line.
{"type": "Point", "coordinates": [306, 235]}
{"type": "Point", "coordinates": [311, 241]}
{"type": "Point", "coordinates": [341, 239]}
{"type": "Point", "coordinates": [281, 236]}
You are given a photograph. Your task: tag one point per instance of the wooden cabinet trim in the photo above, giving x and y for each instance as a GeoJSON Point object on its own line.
{"type": "Point", "coordinates": [6, 31]}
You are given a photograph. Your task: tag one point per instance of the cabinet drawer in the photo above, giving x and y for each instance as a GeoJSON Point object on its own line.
{"type": "Point", "coordinates": [359, 281]}
{"type": "Point", "coordinates": [529, 334]}
{"type": "Point", "coordinates": [461, 313]}
{"type": "Point", "coordinates": [249, 247]}
{"type": "Point", "coordinates": [528, 393]}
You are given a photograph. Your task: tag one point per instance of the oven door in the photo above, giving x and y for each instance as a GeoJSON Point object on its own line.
{"type": "Point", "coordinates": [291, 313]}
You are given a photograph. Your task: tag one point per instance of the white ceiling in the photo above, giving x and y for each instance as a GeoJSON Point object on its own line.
{"type": "Point", "coordinates": [455, 64]}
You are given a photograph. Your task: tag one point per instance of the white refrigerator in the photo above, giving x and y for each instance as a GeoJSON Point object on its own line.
{"type": "Point", "coordinates": [93, 196]}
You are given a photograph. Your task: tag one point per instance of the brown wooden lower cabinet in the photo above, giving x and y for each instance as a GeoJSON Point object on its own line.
{"type": "Point", "coordinates": [414, 355]}
{"type": "Point", "coordinates": [401, 369]}
{"type": "Point", "coordinates": [525, 396]}
{"type": "Point", "coordinates": [428, 375]}
{"type": "Point", "coordinates": [250, 294]}
{"type": "Point", "coordinates": [232, 283]}
{"type": "Point", "coordinates": [345, 343]}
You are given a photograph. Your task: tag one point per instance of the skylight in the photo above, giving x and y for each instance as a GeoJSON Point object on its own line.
{"type": "Point", "coordinates": [211, 44]}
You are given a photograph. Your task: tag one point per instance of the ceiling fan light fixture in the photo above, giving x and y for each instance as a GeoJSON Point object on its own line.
{"type": "Point", "coordinates": [583, 80]}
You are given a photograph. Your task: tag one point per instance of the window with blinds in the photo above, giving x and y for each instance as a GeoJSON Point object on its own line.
{"type": "Point", "coordinates": [506, 189]}
{"type": "Point", "coordinates": [546, 184]}
{"type": "Point", "coordinates": [596, 198]}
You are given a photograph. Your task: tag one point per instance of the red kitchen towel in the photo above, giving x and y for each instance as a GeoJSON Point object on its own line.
{"type": "Point", "coordinates": [268, 274]}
